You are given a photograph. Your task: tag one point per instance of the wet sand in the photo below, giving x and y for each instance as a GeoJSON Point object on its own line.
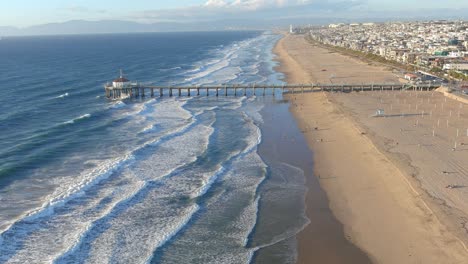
{"type": "Point", "coordinates": [391, 198]}
{"type": "Point", "coordinates": [283, 142]}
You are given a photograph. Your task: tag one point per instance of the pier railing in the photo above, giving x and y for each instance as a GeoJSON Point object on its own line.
{"type": "Point", "coordinates": [139, 90]}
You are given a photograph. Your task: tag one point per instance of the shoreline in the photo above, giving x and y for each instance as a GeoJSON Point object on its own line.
{"type": "Point", "coordinates": [284, 148]}
{"type": "Point", "coordinates": [407, 231]}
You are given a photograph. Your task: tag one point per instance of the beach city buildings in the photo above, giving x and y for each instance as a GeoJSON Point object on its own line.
{"type": "Point", "coordinates": [437, 46]}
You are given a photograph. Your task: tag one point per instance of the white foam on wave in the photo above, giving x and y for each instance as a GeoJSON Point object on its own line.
{"type": "Point", "coordinates": [229, 246]}
{"type": "Point", "coordinates": [59, 198]}
{"type": "Point", "coordinates": [79, 237]}
{"type": "Point", "coordinates": [117, 105]}
{"type": "Point", "coordinates": [196, 69]}
{"type": "Point", "coordinates": [52, 236]}
{"type": "Point", "coordinates": [160, 165]}
{"type": "Point", "coordinates": [171, 69]}
{"type": "Point", "coordinates": [233, 62]}
{"type": "Point", "coordinates": [72, 187]}
{"type": "Point", "coordinates": [62, 96]}
{"type": "Point", "coordinates": [255, 136]}
{"type": "Point", "coordinates": [166, 230]}
{"type": "Point", "coordinates": [62, 195]}
{"type": "Point", "coordinates": [176, 154]}
{"type": "Point", "coordinates": [72, 121]}
{"type": "Point", "coordinates": [238, 178]}
{"type": "Point", "coordinates": [226, 75]}
{"type": "Point", "coordinates": [153, 114]}
{"type": "Point", "coordinates": [253, 110]}
{"type": "Point", "coordinates": [178, 151]}
{"type": "Point", "coordinates": [219, 69]}
{"type": "Point", "coordinates": [166, 223]}
{"type": "Point", "coordinates": [146, 107]}
{"type": "Point", "coordinates": [208, 71]}
{"type": "Point", "coordinates": [253, 139]}
{"type": "Point", "coordinates": [236, 103]}
{"type": "Point", "coordinates": [164, 114]}
{"type": "Point", "coordinates": [207, 182]}
{"type": "Point", "coordinates": [201, 66]}
{"type": "Point", "coordinates": [245, 219]}
{"type": "Point", "coordinates": [252, 69]}
{"type": "Point", "coordinates": [204, 110]}
{"type": "Point", "coordinates": [176, 228]}
{"type": "Point", "coordinates": [248, 160]}
{"type": "Point", "coordinates": [171, 156]}
{"type": "Point", "coordinates": [291, 172]}
{"type": "Point", "coordinates": [243, 181]}
{"type": "Point", "coordinates": [241, 175]}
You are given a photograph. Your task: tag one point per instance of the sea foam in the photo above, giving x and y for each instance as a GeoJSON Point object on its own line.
{"type": "Point", "coordinates": [72, 121]}
{"type": "Point", "coordinates": [62, 95]}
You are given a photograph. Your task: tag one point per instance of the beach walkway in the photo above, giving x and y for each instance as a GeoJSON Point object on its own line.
{"type": "Point", "coordinates": [137, 90]}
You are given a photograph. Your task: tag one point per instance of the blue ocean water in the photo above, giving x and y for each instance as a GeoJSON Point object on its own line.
{"type": "Point", "coordinates": [156, 180]}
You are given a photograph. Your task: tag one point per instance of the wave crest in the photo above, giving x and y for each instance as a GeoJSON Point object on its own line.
{"type": "Point", "coordinates": [72, 121]}
{"type": "Point", "coordinates": [62, 96]}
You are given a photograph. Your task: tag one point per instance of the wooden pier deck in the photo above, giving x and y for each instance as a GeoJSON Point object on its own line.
{"type": "Point", "coordinates": [136, 90]}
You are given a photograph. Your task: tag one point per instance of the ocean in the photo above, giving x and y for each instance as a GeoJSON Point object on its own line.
{"type": "Point", "coordinates": [84, 179]}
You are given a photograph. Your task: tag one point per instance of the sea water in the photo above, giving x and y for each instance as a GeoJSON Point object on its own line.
{"type": "Point", "coordinates": [156, 180]}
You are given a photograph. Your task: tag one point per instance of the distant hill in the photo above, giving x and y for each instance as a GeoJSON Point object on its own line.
{"type": "Point", "coordinates": [7, 31]}
{"type": "Point", "coordinates": [118, 26]}
{"type": "Point", "coordinates": [84, 27]}
{"type": "Point", "coordinates": [244, 23]}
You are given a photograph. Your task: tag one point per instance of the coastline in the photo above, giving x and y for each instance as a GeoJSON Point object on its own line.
{"type": "Point", "coordinates": [383, 210]}
{"type": "Point", "coordinates": [284, 149]}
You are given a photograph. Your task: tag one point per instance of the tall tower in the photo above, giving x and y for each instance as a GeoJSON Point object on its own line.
{"type": "Point", "coordinates": [291, 29]}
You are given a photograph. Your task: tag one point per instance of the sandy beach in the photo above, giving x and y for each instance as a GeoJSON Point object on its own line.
{"type": "Point", "coordinates": [385, 177]}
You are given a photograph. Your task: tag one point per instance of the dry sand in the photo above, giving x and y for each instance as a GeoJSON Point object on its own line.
{"type": "Point", "coordinates": [382, 192]}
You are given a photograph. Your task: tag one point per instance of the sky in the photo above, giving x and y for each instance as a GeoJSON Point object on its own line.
{"type": "Point", "coordinates": [23, 13]}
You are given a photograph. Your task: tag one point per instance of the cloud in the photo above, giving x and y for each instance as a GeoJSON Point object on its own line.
{"type": "Point", "coordinates": [269, 4]}
{"type": "Point", "coordinates": [77, 9]}
{"type": "Point", "coordinates": [213, 10]}
{"type": "Point", "coordinates": [253, 4]}
{"type": "Point", "coordinates": [215, 3]}
{"type": "Point", "coordinates": [83, 9]}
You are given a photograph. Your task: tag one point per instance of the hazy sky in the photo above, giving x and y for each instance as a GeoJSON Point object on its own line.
{"type": "Point", "coordinates": [22, 13]}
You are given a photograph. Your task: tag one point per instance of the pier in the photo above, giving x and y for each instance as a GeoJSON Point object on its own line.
{"type": "Point", "coordinates": [137, 90]}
